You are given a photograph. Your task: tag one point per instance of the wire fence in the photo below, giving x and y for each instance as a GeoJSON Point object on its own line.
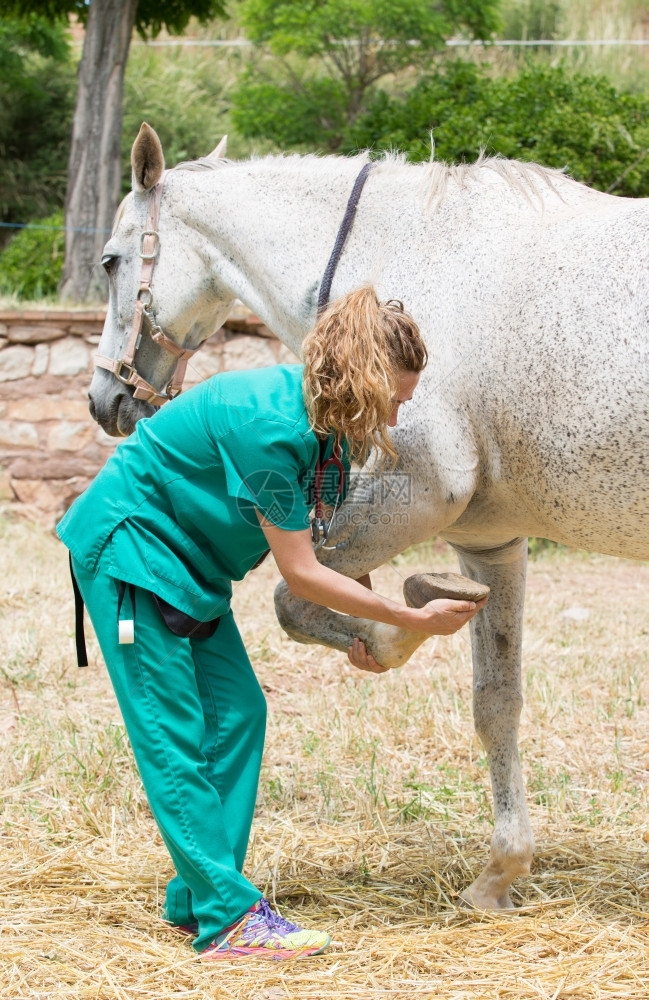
{"type": "Point", "coordinates": [450, 43]}
{"type": "Point", "coordinates": [45, 225]}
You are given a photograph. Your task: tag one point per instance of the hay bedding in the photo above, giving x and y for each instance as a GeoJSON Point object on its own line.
{"type": "Point", "coordinates": [372, 813]}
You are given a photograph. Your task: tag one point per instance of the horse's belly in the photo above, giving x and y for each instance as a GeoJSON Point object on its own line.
{"type": "Point", "coordinates": [577, 478]}
{"type": "Point", "coordinates": [588, 485]}
{"type": "Point", "coordinates": [490, 523]}
{"type": "Point", "coordinates": [625, 537]}
{"type": "Point", "coordinates": [565, 441]}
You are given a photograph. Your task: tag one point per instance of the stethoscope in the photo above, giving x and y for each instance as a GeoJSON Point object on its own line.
{"type": "Point", "coordinates": [320, 526]}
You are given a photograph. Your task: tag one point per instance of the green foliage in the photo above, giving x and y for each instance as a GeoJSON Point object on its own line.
{"type": "Point", "coordinates": [29, 34]}
{"type": "Point", "coordinates": [174, 15]}
{"type": "Point", "coordinates": [309, 116]}
{"type": "Point", "coordinates": [381, 30]}
{"type": "Point", "coordinates": [184, 94]}
{"type": "Point", "coordinates": [151, 16]}
{"type": "Point", "coordinates": [179, 94]}
{"type": "Point", "coordinates": [542, 114]}
{"type": "Point", "coordinates": [624, 65]}
{"type": "Point", "coordinates": [333, 102]}
{"type": "Point", "coordinates": [31, 264]}
{"type": "Point", "coordinates": [331, 53]}
{"type": "Point", "coordinates": [523, 19]}
{"type": "Point", "coordinates": [36, 101]}
{"type": "Point", "coordinates": [450, 103]}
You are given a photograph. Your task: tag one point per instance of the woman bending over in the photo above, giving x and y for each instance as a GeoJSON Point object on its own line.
{"type": "Point", "coordinates": [189, 503]}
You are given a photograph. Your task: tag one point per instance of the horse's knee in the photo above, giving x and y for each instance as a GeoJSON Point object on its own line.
{"type": "Point", "coordinates": [282, 601]}
{"type": "Point", "coordinates": [289, 610]}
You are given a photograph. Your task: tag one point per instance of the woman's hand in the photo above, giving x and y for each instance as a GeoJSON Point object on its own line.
{"type": "Point", "coordinates": [444, 617]}
{"type": "Point", "coordinates": [439, 617]}
{"type": "Point", "coordinates": [310, 580]}
{"type": "Point", "coordinates": [357, 652]}
{"type": "Point", "coordinates": [359, 657]}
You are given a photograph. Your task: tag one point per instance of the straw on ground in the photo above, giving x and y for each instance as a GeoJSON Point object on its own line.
{"type": "Point", "coordinates": [374, 810]}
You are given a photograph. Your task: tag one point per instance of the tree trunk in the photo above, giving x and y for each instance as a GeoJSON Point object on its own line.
{"type": "Point", "coordinates": [94, 168]}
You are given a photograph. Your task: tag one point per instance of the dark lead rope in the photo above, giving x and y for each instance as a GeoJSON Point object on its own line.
{"type": "Point", "coordinates": [343, 233]}
{"type": "Point", "coordinates": [323, 300]}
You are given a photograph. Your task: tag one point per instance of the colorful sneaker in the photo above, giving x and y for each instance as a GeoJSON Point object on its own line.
{"type": "Point", "coordinates": [265, 934]}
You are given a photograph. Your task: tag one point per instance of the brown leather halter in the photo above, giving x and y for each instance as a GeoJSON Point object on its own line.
{"type": "Point", "coordinates": [124, 368]}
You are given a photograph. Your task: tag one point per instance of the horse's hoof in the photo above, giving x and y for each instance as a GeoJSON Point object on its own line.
{"type": "Point", "coordinates": [424, 587]}
{"type": "Point", "coordinates": [466, 901]}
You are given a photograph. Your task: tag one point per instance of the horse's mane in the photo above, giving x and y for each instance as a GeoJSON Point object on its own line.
{"type": "Point", "coordinates": [438, 178]}
{"type": "Point", "coordinates": [204, 163]}
{"type": "Point", "coordinates": [305, 159]}
{"type": "Point", "coordinates": [525, 178]}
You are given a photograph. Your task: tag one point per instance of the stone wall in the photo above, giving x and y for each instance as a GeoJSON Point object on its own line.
{"type": "Point", "coordinates": [50, 448]}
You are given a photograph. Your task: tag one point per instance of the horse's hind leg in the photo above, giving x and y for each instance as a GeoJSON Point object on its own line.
{"type": "Point", "coordinates": [496, 637]}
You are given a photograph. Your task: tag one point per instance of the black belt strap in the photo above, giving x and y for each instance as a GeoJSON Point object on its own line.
{"type": "Point", "coordinates": [79, 631]}
{"type": "Point", "coordinates": [120, 597]}
{"type": "Point", "coordinates": [79, 634]}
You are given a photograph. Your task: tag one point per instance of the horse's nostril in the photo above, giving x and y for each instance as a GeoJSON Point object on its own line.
{"type": "Point", "coordinates": [91, 407]}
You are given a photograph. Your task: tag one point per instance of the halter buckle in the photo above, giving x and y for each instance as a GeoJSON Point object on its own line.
{"type": "Point", "coordinates": [146, 298]}
{"type": "Point", "coordinates": [152, 254]}
{"type": "Point", "coordinates": [126, 379]}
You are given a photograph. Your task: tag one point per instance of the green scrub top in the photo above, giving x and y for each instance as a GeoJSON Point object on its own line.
{"type": "Point", "coordinates": [173, 509]}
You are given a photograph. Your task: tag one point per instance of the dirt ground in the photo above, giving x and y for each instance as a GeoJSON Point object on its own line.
{"type": "Point", "coordinates": [374, 808]}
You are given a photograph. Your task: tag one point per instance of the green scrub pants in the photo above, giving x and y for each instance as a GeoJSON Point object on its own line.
{"type": "Point", "coordinates": [196, 716]}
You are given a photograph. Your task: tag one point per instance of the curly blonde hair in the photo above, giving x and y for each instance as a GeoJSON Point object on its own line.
{"type": "Point", "coordinates": [353, 358]}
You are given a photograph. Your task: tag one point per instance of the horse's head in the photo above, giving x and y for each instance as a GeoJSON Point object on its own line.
{"type": "Point", "coordinates": [164, 298]}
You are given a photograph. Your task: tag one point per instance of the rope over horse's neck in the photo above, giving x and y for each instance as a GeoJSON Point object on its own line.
{"type": "Point", "coordinates": [341, 238]}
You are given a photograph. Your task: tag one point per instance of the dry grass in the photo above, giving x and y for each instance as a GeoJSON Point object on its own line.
{"type": "Point", "coordinates": [373, 809]}
{"type": "Point", "coordinates": [626, 66]}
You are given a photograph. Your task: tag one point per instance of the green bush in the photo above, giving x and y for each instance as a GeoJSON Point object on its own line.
{"type": "Point", "coordinates": [31, 264]}
{"type": "Point", "coordinates": [544, 114]}
{"type": "Point", "coordinates": [317, 62]}
{"type": "Point", "coordinates": [37, 86]}
{"type": "Point", "coordinates": [299, 118]}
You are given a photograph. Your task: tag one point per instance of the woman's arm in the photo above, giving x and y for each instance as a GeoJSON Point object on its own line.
{"type": "Point", "coordinates": [307, 578]}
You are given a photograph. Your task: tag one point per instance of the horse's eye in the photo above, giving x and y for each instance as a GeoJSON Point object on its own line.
{"type": "Point", "coordinates": [109, 264]}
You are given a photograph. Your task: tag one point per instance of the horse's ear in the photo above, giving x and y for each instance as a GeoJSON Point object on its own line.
{"type": "Point", "coordinates": [147, 159]}
{"type": "Point", "coordinates": [219, 152]}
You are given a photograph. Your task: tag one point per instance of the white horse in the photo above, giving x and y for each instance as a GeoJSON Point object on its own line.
{"type": "Point", "coordinates": [532, 417]}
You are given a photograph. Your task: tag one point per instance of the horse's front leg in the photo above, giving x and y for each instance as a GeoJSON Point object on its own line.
{"type": "Point", "coordinates": [371, 528]}
{"type": "Point", "coordinates": [310, 623]}
{"type": "Point", "coordinates": [496, 637]}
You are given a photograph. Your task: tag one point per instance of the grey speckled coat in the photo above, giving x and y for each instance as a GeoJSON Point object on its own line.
{"type": "Point", "coordinates": [532, 417]}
